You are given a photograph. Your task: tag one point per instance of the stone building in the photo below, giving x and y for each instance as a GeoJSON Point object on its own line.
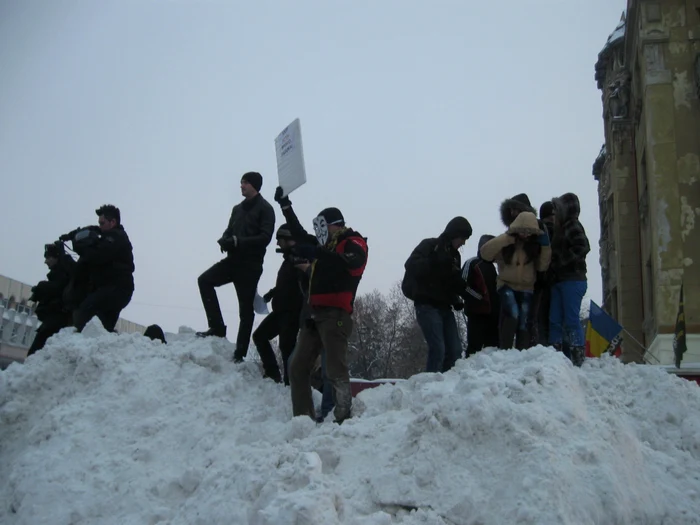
{"type": "Point", "coordinates": [648, 174]}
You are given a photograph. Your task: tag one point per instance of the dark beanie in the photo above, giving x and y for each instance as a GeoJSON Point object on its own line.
{"type": "Point", "coordinates": [254, 179]}
{"type": "Point", "coordinates": [283, 232]}
{"type": "Point", "coordinates": [54, 250]}
{"type": "Point", "coordinates": [546, 210]}
{"type": "Point", "coordinates": [333, 216]}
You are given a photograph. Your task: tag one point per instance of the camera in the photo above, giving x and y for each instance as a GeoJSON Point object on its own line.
{"type": "Point", "coordinates": [82, 237]}
{"type": "Point", "coordinates": [290, 257]}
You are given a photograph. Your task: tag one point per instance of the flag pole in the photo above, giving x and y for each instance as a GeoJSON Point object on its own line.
{"type": "Point", "coordinates": [640, 354]}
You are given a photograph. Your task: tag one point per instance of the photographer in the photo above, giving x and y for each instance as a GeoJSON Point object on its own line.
{"type": "Point", "coordinates": [337, 259]}
{"type": "Point", "coordinates": [51, 310]}
{"type": "Point", "coordinates": [287, 300]}
{"type": "Point", "coordinates": [105, 269]}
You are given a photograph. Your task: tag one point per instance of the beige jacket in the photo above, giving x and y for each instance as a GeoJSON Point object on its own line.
{"type": "Point", "coordinates": [518, 274]}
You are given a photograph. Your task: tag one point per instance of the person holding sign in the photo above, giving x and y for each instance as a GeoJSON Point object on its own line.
{"type": "Point", "coordinates": [336, 262]}
{"type": "Point", "coordinates": [244, 241]}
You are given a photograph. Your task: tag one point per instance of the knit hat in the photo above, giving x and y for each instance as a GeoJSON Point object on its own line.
{"type": "Point", "coordinates": [546, 210]}
{"type": "Point", "coordinates": [333, 216]}
{"type": "Point", "coordinates": [54, 250]}
{"type": "Point", "coordinates": [254, 179]}
{"type": "Point", "coordinates": [283, 232]}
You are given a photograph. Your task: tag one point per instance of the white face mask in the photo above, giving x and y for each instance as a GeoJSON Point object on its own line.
{"type": "Point", "coordinates": [321, 229]}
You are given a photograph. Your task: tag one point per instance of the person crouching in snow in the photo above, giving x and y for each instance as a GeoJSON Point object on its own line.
{"type": "Point", "coordinates": [520, 253]}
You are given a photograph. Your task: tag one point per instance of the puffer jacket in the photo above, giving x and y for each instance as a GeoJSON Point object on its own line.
{"type": "Point", "coordinates": [518, 259]}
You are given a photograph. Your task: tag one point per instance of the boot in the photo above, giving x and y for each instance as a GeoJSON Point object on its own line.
{"type": "Point", "coordinates": [578, 355]}
{"type": "Point", "coordinates": [522, 340]}
{"type": "Point", "coordinates": [214, 331]}
{"type": "Point", "coordinates": [507, 332]}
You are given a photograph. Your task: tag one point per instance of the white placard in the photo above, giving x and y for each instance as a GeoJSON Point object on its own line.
{"type": "Point", "coordinates": [259, 305]}
{"type": "Point", "coordinates": [290, 158]}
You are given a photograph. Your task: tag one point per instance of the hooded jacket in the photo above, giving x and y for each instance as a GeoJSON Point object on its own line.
{"type": "Point", "coordinates": [570, 244]}
{"type": "Point", "coordinates": [518, 266]}
{"type": "Point", "coordinates": [433, 270]}
{"type": "Point", "coordinates": [520, 202]}
{"type": "Point", "coordinates": [481, 275]}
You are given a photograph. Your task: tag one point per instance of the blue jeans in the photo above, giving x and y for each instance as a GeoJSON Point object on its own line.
{"type": "Point", "coordinates": [439, 328]}
{"type": "Point", "coordinates": [564, 313]}
{"type": "Point", "coordinates": [327, 403]}
{"type": "Point", "coordinates": [516, 304]}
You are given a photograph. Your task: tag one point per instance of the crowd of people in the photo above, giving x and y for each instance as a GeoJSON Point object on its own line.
{"type": "Point", "coordinates": [524, 287]}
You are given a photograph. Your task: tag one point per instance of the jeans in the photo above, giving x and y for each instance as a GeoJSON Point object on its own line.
{"type": "Point", "coordinates": [515, 317]}
{"type": "Point", "coordinates": [439, 328]}
{"type": "Point", "coordinates": [564, 313]}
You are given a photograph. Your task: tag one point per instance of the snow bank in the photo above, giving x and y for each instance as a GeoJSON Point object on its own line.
{"type": "Point", "coordinates": [115, 429]}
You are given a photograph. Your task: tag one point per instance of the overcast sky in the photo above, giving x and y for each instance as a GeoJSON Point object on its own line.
{"type": "Point", "coordinates": [412, 112]}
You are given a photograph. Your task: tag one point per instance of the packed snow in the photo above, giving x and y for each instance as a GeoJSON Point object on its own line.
{"type": "Point", "coordinates": [102, 428]}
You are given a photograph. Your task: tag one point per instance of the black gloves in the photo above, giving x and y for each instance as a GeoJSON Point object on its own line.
{"type": "Point", "coordinates": [458, 306]}
{"type": "Point", "coordinates": [268, 296]}
{"type": "Point", "coordinates": [282, 199]}
{"type": "Point", "coordinates": [228, 243]}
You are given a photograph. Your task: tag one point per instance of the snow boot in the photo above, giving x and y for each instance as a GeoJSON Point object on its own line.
{"type": "Point", "coordinates": [507, 332]}
{"type": "Point", "coordinates": [214, 331]}
{"type": "Point", "coordinates": [578, 355]}
{"type": "Point", "coordinates": [522, 340]}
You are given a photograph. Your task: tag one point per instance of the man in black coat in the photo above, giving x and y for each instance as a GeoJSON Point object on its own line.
{"type": "Point", "coordinates": [51, 310]}
{"type": "Point", "coordinates": [287, 300]}
{"type": "Point", "coordinates": [106, 263]}
{"type": "Point", "coordinates": [244, 241]}
{"type": "Point", "coordinates": [433, 281]}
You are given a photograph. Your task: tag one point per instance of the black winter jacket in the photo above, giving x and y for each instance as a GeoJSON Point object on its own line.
{"type": "Point", "coordinates": [49, 293]}
{"type": "Point", "coordinates": [109, 261]}
{"type": "Point", "coordinates": [252, 222]}
{"type": "Point", "coordinates": [433, 270]}
{"type": "Point", "coordinates": [288, 293]}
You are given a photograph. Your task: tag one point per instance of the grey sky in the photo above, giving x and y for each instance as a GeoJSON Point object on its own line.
{"type": "Point", "coordinates": [412, 112]}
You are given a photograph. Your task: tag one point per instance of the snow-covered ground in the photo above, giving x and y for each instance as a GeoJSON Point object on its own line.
{"type": "Point", "coordinates": [117, 429]}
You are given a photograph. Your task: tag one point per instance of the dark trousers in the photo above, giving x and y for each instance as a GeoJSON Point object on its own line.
{"type": "Point", "coordinates": [106, 303]}
{"type": "Point", "coordinates": [328, 330]}
{"type": "Point", "coordinates": [286, 326]}
{"type": "Point", "coordinates": [439, 328]}
{"type": "Point", "coordinates": [245, 279]}
{"type": "Point", "coordinates": [51, 326]}
{"type": "Point", "coordinates": [541, 316]}
{"type": "Point", "coordinates": [482, 332]}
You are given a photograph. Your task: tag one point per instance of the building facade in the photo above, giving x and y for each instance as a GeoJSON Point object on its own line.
{"type": "Point", "coordinates": [648, 174]}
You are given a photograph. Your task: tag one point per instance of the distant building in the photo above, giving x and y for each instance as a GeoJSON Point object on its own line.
{"type": "Point", "coordinates": [648, 174]}
{"type": "Point", "coordinates": [18, 323]}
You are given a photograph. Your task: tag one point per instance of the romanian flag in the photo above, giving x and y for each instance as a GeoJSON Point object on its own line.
{"type": "Point", "coordinates": [603, 333]}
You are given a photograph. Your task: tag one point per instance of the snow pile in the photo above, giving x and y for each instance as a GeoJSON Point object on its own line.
{"type": "Point", "coordinates": [113, 429]}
